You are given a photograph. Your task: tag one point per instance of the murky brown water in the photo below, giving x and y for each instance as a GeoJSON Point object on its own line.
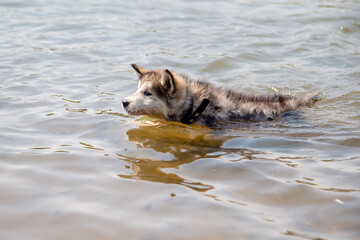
{"type": "Point", "coordinates": [74, 165]}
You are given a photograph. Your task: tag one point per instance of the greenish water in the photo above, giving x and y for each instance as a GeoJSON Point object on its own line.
{"type": "Point", "coordinates": [74, 165]}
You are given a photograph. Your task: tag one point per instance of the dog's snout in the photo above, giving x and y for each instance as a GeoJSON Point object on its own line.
{"type": "Point", "coordinates": [125, 104]}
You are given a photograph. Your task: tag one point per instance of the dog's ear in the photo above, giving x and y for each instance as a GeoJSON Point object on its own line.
{"type": "Point", "coordinates": [138, 70]}
{"type": "Point", "coordinates": [168, 82]}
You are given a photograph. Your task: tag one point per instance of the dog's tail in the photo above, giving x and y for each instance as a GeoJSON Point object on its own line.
{"type": "Point", "coordinates": [303, 99]}
{"type": "Point", "coordinates": [309, 98]}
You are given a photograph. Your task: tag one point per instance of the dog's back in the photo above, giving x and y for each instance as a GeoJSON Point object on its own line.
{"type": "Point", "coordinates": [226, 104]}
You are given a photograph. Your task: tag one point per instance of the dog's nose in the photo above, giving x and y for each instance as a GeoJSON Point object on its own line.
{"type": "Point", "coordinates": [125, 104]}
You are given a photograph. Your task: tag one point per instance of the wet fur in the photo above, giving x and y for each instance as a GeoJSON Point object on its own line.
{"type": "Point", "coordinates": [171, 96]}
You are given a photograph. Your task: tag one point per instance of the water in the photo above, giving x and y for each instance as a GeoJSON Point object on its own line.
{"type": "Point", "coordinates": [74, 165]}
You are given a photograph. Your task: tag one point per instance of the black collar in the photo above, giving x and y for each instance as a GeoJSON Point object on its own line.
{"type": "Point", "coordinates": [189, 117]}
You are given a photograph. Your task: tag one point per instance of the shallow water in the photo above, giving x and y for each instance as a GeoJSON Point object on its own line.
{"type": "Point", "coordinates": [74, 165]}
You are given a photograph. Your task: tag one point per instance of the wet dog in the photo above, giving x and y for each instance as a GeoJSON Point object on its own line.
{"type": "Point", "coordinates": [175, 97]}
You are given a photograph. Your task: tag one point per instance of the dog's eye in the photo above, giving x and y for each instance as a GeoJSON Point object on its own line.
{"type": "Point", "coordinates": [146, 93]}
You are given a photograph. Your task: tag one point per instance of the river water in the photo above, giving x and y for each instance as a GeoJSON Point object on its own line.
{"type": "Point", "coordinates": [74, 165]}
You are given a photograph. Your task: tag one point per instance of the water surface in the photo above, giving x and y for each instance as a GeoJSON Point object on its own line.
{"type": "Point", "coordinates": [74, 165]}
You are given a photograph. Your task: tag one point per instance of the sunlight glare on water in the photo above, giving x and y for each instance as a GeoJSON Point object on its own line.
{"type": "Point", "coordinates": [75, 165]}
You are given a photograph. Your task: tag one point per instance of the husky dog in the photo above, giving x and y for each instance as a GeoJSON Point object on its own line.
{"type": "Point", "coordinates": [175, 97]}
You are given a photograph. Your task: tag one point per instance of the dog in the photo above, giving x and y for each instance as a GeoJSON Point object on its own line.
{"type": "Point", "coordinates": [175, 97]}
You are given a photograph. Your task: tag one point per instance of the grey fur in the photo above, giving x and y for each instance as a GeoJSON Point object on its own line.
{"type": "Point", "coordinates": [225, 104]}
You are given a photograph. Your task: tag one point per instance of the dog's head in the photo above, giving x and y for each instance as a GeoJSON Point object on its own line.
{"type": "Point", "coordinates": [160, 93]}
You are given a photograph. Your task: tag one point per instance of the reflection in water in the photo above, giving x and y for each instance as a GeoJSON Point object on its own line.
{"type": "Point", "coordinates": [89, 146]}
{"type": "Point", "coordinates": [185, 143]}
{"type": "Point", "coordinates": [150, 170]}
